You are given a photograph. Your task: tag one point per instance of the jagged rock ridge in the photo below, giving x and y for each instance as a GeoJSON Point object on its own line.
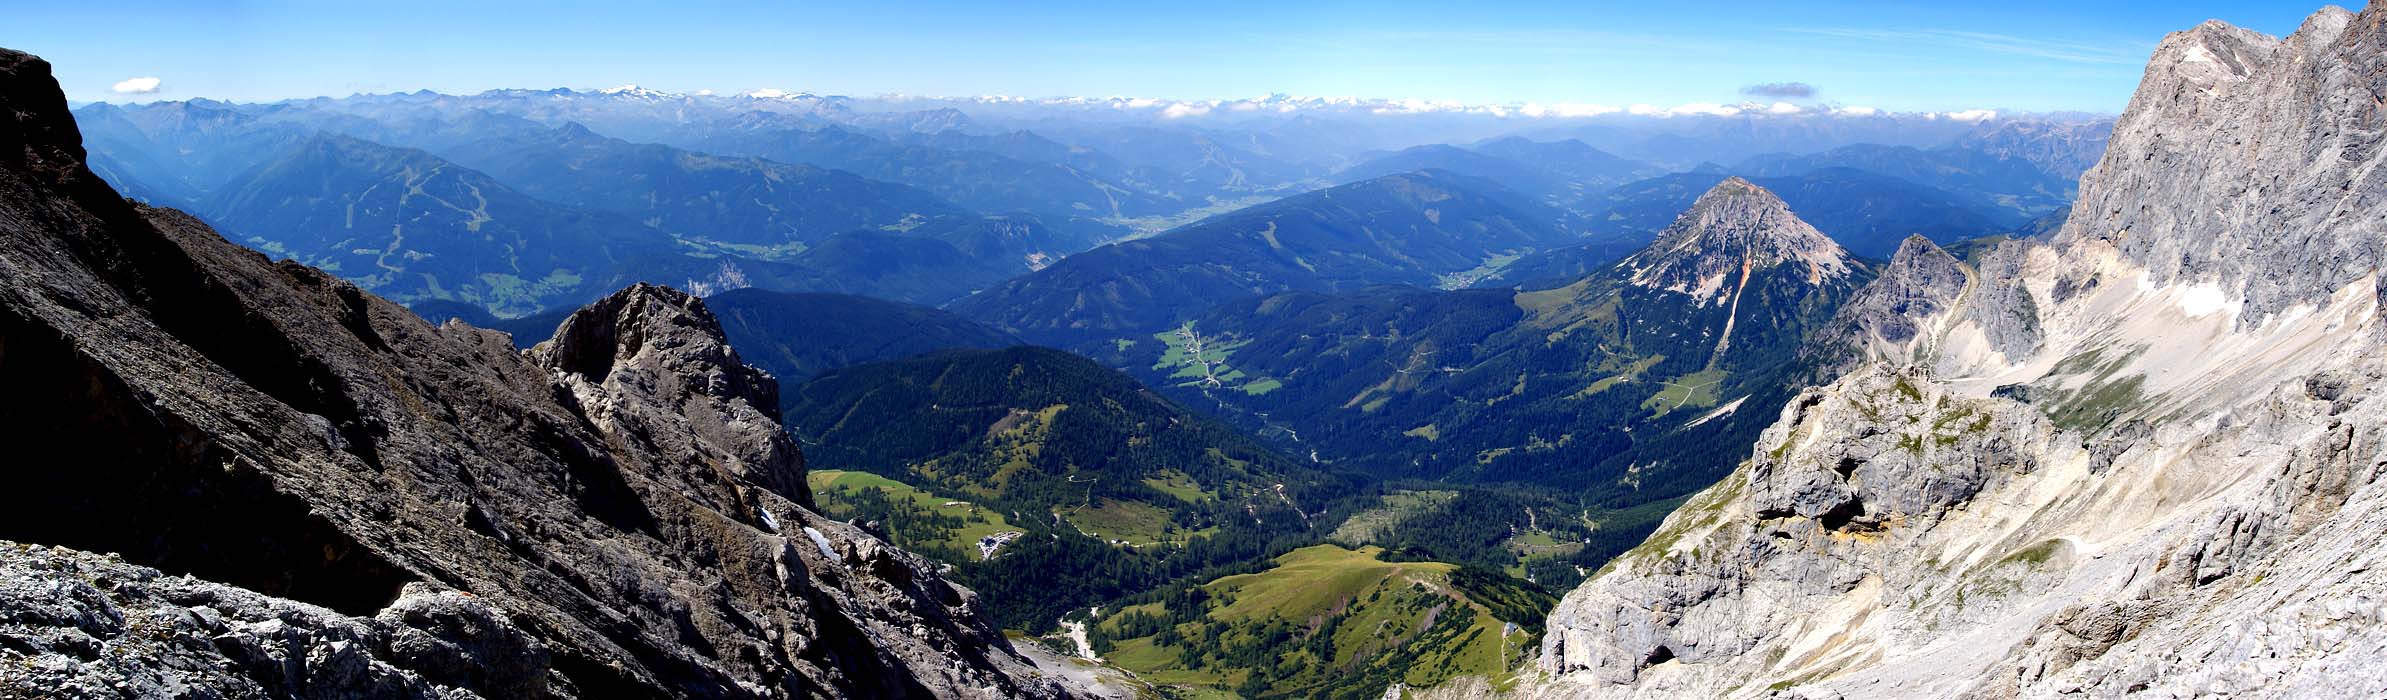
{"type": "Point", "coordinates": [335, 473]}
{"type": "Point", "coordinates": [2122, 464]}
{"type": "Point", "coordinates": [1884, 318]}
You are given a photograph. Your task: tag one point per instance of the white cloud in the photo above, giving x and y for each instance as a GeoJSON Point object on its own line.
{"type": "Point", "coordinates": [1856, 111]}
{"type": "Point", "coordinates": [1706, 108]}
{"type": "Point", "coordinates": [1782, 108]}
{"type": "Point", "coordinates": [138, 86]}
{"type": "Point", "coordinates": [1566, 110]}
{"type": "Point", "coordinates": [1971, 115]}
{"type": "Point", "coordinates": [766, 93]}
{"type": "Point", "coordinates": [1181, 110]}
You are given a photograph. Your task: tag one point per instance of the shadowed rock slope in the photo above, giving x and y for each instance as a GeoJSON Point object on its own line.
{"type": "Point", "coordinates": [372, 506]}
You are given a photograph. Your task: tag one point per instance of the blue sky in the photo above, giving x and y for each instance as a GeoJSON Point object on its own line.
{"type": "Point", "coordinates": [2014, 54]}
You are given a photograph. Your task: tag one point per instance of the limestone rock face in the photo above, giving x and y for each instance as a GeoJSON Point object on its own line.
{"type": "Point", "coordinates": [2251, 163]}
{"type": "Point", "coordinates": [91, 626]}
{"type": "Point", "coordinates": [1852, 482]}
{"type": "Point", "coordinates": [341, 477]}
{"type": "Point", "coordinates": [2129, 462]}
{"type": "Point", "coordinates": [1885, 318]}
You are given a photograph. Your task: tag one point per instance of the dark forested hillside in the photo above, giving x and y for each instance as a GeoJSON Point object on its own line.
{"type": "Point", "coordinates": [798, 335]}
{"type": "Point", "coordinates": [1100, 474]}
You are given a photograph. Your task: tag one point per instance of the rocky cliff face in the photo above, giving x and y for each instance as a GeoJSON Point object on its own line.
{"type": "Point", "coordinates": [1884, 319]}
{"type": "Point", "coordinates": [314, 493]}
{"type": "Point", "coordinates": [2276, 140]}
{"type": "Point", "coordinates": [2127, 463]}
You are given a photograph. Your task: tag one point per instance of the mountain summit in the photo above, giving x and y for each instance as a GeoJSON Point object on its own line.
{"type": "Point", "coordinates": [1733, 230]}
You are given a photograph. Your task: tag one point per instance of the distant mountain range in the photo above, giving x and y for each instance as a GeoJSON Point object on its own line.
{"type": "Point", "coordinates": [742, 201]}
{"type": "Point", "coordinates": [600, 212]}
{"type": "Point", "coordinates": [928, 201]}
{"type": "Point", "coordinates": [2005, 188]}
{"type": "Point", "coordinates": [412, 226]}
{"type": "Point", "coordinates": [1865, 211]}
{"type": "Point", "coordinates": [1413, 228]}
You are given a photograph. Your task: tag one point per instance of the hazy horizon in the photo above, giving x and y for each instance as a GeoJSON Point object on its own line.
{"type": "Point", "coordinates": [2062, 58]}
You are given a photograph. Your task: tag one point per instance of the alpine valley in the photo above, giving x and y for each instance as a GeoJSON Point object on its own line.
{"type": "Point", "coordinates": [570, 393]}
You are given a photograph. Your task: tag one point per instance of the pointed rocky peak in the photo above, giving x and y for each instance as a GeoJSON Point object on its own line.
{"type": "Point", "coordinates": [638, 361]}
{"type": "Point", "coordinates": [1919, 261]}
{"type": "Point", "coordinates": [1921, 282]}
{"type": "Point", "coordinates": [574, 130]}
{"type": "Point", "coordinates": [1734, 229]}
{"type": "Point", "coordinates": [656, 325]}
{"type": "Point", "coordinates": [2211, 53]}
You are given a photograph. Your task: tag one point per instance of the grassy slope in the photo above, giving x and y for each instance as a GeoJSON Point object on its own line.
{"type": "Point", "coordinates": [834, 489]}
{"type": "Point", "coordinates": [1387, 621]}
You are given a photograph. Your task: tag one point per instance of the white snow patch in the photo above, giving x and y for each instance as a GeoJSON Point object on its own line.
{"type": "Point", "coordinates": [1721, 411]}
{"type": "Point", "coordinates": [821, 541]}
{"type": "Point", "coordinates": [2202, 300]}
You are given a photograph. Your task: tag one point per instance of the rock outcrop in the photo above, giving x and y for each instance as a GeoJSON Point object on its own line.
{"type": "Point", "coordinates": [1884, 319]}
{"type": "Point", "coordinates": [345, 501]}
{"type": "Point", "coordinates": [2139, 460]}
{"type": "Point", "coordinates": [647, 360]}
{"type": "Point", "coordinates": [1814, 531]}
{"type": "Point", "coordinates": [82, 625]}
